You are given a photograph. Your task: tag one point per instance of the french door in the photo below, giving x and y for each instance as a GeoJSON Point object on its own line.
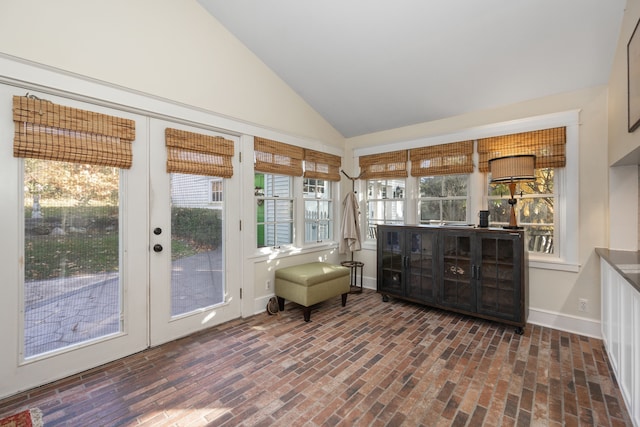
{"type": "Point", "coordinates": [100, 263]}
{"type": "Point", "coordinates": [193, 262]}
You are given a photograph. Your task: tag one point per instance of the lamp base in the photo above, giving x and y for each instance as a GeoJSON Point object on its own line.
{"type": "Point", "coordinates": [513, 224]}
{"type": "Point", "coordinates": [512, 227]}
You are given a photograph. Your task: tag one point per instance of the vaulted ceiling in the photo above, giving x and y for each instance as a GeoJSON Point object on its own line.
{"type": "Point", "coordinates": [371, 65]}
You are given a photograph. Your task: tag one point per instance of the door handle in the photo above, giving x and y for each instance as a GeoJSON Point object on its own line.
{"type": "Point", "coordinates": [157, 248]}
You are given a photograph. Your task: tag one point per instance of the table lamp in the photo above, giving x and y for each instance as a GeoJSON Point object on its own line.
{"type": "Point", "coordinates": [510, 170]}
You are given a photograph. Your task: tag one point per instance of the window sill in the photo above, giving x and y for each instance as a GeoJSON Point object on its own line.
{"type": "Point", "coordinates": [264, 254]}
{"type": "Point", "coordinates": [370, 245]}
{"type": "Point", "coordinates": [552, 264]}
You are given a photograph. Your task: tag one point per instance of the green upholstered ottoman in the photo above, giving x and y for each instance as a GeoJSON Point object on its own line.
{"type": "Point", "coordinates": [311, 283]}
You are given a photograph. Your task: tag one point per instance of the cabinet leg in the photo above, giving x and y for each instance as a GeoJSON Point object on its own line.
{"type": "Point", "coordinates": [520, 330]}
{"type": "Point", "coordinates": [385, 298]}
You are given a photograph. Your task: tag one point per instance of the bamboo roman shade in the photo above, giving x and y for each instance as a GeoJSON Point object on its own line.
{"type": "Point", "coordinates": [443, 159]}
{"type": "Point", "coordinates": [48, 131]}
{"type": "Point", "coordinates": [198, 154]}
{"type": "Point", "coordinates": [277, 157]}
{"type": "Point", "coordinates": [321, 165]}
{"type": "Point", "coordinates": [385, 165]}
{"type": "Point", "coordinates": [548, 145]}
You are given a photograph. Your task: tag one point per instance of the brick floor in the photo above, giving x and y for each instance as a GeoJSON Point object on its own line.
{"type": "Point", "coordinates": [368, 364]}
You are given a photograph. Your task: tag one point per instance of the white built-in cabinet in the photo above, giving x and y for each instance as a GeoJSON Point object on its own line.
{"type": "Point", "coordinates": [621, 334]}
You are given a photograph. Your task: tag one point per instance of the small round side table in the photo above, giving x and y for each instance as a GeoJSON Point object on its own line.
{"type": "Point", "coordinates": [353, 280]}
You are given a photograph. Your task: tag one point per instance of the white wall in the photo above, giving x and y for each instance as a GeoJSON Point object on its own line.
{"type": "Point", "coordinates": [168, 48]}
{"type": "Point", "coordinates": [624, 147]}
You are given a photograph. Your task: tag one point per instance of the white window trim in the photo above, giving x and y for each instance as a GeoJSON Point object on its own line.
{"type": "Point", "coordinates": [404, 201]}
{"type": "Point", "coordinates": [291, 197]}
{"type": "Point", "coordinates": [298, 216]}
{"type": "Point", "coordinates": [567, 180]}
{"type": "Point", "coordinates": [298, 246]}
{"type": "Point", "coordinates": [330, 186]}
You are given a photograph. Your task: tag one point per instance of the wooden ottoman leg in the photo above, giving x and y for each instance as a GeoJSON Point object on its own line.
{"type": "Point", "coordinates": [344, 299]}
{"type": "Point", "coordinates": [307, 313]}
{"type": "Point", "coordinates": [281, 303]}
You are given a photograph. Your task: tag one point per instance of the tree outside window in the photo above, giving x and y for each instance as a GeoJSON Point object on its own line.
{"type": "Point", "coordinates": [443, 198]}
{"type": "Point", "coordinates": [534, 210]}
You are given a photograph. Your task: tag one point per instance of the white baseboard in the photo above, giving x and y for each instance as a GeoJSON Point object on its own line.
{"type": "Point", "coordinates": [565, 322]}
{"type": "Point", "coordinates": [537, 316]}
{"type": "Point", "coordinates": [260, 304]}
{"type": "Point", "coordinates": [550, 319]}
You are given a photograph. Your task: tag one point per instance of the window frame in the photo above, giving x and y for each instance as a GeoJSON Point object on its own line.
{"type": "Point", "coordinates": [261, 199]}
{"type": "Point", "coordinates": [329, 221]}
{"type": "Point", "coordinates": [442, 199]}
{"type": "Point", "coordinates": [370, 224]}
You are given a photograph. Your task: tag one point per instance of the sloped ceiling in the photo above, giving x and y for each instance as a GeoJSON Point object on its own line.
{"type": "Point", "coordinates": [371, 65]}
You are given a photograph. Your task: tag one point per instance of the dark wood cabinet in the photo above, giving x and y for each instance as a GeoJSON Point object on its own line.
{"type": "Point", "coordinates": [475, 271]}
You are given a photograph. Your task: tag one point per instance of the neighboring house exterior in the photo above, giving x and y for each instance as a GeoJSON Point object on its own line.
{"type": "Point", "coordinates": [196, 191]}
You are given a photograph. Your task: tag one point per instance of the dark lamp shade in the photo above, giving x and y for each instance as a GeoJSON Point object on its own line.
{"type": "Point", "coordinates": [513, 168]}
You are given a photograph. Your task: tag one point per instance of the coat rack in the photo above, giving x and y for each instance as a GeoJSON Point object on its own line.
{"type": "Point", "coordinates": [353, 180]}
{"type": "Point", "coordinates": [353, 265]}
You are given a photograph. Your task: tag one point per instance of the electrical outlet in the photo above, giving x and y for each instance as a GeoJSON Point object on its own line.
{"type": "Point", "coordinates": [583, 304]}
{"type": "Point", "coordinates": [267, 284]}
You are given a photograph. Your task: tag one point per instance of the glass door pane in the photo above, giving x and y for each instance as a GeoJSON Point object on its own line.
{"type": "Point", "coordinates": [197, 276]}
{"type": "Point", "coordinates": [72, 287]}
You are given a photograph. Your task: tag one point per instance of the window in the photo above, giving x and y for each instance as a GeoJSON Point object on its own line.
{"type": "Point", "coordinates": [72, 162]}
{"type": "Point", "coordinates": [547, 209]}
{"type": "Point", "coordinates": [318, 221]}
{"type": "Point", "coordinates": [385, 203]}
{"type": "Point", "coordinates": [534, 209]}
{"type": "Point", "coordinates": [443, 198]}
{"type": "Point", "coordinates": [536, 201]}
{"type": "Point", "coordinates": [274, 213]}
{"type": "Point", "coordinates": [216, 190]}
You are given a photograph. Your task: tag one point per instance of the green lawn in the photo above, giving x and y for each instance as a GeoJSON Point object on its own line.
{"type": "Point", "coordinates": [49, 257]}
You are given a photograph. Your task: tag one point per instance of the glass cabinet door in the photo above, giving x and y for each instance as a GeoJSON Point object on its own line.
{"type": "Point", "coordinates": [457, 264]}
{"type": "Point", "coordinates": [390, 260]}
{"type": "Point", "coordinates": [421, 277]}
{"type": "Point", "coordinates": [499, 277]}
